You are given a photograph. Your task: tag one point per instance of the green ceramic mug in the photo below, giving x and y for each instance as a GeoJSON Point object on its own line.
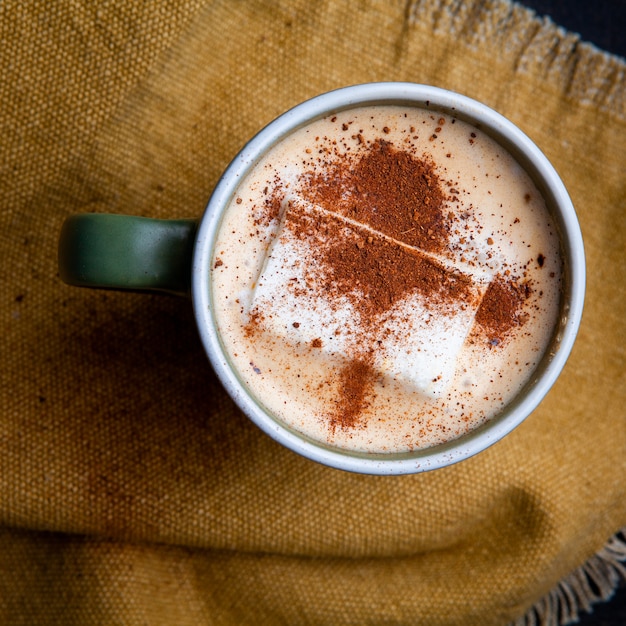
{"type": "Point", "coordinates": [125, 252]}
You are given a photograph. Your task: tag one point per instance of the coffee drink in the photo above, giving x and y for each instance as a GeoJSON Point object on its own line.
{"type": "Point", "coordinates": [386, 279]}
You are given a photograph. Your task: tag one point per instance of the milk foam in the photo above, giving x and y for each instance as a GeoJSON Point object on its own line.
{"type": "Point", "coordinates": [438, 372]}
{"type": "Point", "coordinates": [417, 342]}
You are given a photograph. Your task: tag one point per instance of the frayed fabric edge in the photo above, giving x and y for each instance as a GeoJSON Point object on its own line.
{"type": "Point", "coordinates": [530, 45]}
{"type": "Point", "coordinates": [593, 582]}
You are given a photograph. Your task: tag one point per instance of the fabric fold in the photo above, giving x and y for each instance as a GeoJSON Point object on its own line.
{"type": "Point", "coordinates": [130, 486]}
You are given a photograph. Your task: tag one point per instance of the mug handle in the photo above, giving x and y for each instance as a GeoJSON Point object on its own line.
{"type": "Point", "coordinates": [126, 252]}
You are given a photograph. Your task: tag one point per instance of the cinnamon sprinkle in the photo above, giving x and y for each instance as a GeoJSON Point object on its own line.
{"type": "Point", "coordinates": [390, 190]}
{"type": "Point", "coordinates": [500, 309]}
{"type": "Point", "coordinates": [355, 381]}
{"type": "Point", "coordinates": [373, 272]}
{"type": "Point", "coordinates": [396, 196]}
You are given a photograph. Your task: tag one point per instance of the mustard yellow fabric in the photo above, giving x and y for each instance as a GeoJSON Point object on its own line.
{"type": "Point", "coordinates": [131, 489]}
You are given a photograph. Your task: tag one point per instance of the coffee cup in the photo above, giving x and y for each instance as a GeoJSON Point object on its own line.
{"type": "Point", "coordinates": [387, 279]}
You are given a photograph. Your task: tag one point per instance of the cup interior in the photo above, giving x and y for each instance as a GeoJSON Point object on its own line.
{"type": "Point", "coordinates": [533, 161]}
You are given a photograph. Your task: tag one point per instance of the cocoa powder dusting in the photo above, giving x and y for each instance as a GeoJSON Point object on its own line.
{"type": "Point", "coordinates": [399, 197]}
{"type": "Point", "coordinates": [372, 271]}
{"type": "Point", "coordinates": [500, 309]}
{"type": "Point", "coordinates": [390, 190]}
{"type": "Point", "coordinates": [272, 206]}
{"type": "Point", "coordinates": [355, 382]}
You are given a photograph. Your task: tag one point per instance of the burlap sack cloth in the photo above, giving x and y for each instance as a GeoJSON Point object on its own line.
{"type": "Point", "coordinates": [131, 489]}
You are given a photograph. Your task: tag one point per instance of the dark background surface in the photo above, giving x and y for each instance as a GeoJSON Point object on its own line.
{"type": "Point", "coordinates": [602, 23]}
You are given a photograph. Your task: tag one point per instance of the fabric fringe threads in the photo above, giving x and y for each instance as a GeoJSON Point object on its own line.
{"type": "Point", "coordinates": [593, 582]}
{"type": "Point", "coordinates": [532, 45]}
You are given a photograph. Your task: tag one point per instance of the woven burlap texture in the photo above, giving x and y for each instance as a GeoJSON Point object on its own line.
{"type": "Point", "coordinates": [131, 489]}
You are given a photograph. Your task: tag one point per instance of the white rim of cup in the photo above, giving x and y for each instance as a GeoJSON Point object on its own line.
{"type": "Point", "coordinates": [544, 176]}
